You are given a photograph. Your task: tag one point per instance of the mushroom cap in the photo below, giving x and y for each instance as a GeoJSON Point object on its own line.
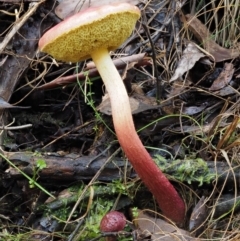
{"type": "Point", "coordinates": [113, 221]}
{"type": "Point", "coordinates": [78, 36]}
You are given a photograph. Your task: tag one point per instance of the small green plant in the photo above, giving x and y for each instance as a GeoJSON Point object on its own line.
{"type": "Point", "coordinates": [134, 212]}
{"type": "Point", "coordinates": [119, 187]}
{"type": "Point", "coordinates": [41, 164]}
{"type": "Point", "coordinates": [26, 176]}
{"type": "Point", "coordinates": [89, 99]}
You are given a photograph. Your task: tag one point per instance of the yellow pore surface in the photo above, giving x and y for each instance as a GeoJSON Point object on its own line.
{"type": "Point", "coordinates": [79, 42]}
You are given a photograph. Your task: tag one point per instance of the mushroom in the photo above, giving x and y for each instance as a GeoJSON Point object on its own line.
{"type": "Point", "coordinates": [113, 221]}
{"type": "Point", "coordinates": [93, 33]}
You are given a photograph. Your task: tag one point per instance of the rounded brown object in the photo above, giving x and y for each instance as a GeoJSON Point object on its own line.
{"type": "Point", "coordinates": [113, 221]}
{"type": "Point", "coordinates": [78, 36]}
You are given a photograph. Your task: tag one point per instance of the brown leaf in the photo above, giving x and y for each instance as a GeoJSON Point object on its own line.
{"type": "Point", "coordinates": [198, 217]}
{"type": "Point", "coordinates": [192, 110]}
{"type": "Point", "coordinates": [137, 105]}
{"type": "Point", "coordinates": [205, 37]}
{"type": "Point", "coordinates": [159, 229]}
{"type": "Point", "coordinates": [191, 55]}
{"type": "Point", "coordinates": [224, 78]}
{"type": "Point", "coordinates": [227, 90]}
{"type": "Point", "coordinates": [229, 131]}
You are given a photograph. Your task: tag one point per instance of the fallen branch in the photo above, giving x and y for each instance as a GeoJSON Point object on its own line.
{"type": "Point", "coordinates": [91, 71]}
{"type": "Point", "coordinates": [84, 168]}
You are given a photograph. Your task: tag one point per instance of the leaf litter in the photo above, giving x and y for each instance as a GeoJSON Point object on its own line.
{"type": "Point", "coordinates": [196, 118]}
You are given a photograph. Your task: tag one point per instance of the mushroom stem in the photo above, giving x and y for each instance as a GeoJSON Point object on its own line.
{"type": "Point", "coordinates": [166, 196]}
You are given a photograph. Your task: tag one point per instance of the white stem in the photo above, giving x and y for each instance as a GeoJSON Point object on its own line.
{"type": "Point", "coordinates": [119, 99]}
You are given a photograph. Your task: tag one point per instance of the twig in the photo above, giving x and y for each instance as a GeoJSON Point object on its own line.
{"type": "Point", "coordinates": [92, 71]}
{"type": "Point", "coordinates": [11, 128]}
{"type": "Point", "coordinates": [154, 58]}
{"type": "Point", "coordinates": [18, 24]}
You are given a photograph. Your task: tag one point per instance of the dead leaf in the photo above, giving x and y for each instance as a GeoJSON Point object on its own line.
{"type": "Point", "coordinates": [159, 229]}
{"type": "Point", "coordinates": [229, 131]}
{"type": "Point", "coordinates": [224, 78]}
{"type": "Point", "coordinates": [199, 130]}
{"type": "Point", "coordinates": [137, 105]}
{"type": "Point", "coordinates": [5, 105]}
{"type": "Point", "coordinates": [205, 37]}
{"type": "Point", "coordinates": [198, 217]}
{"type": "Point", "coordinates": [66, 8]}
{"type": "Point", "coordinates": [192, 110]}
{"type": "Point", "coordinates": [191, 55]}
{"type": "Point", "coordinates": [227, 90]}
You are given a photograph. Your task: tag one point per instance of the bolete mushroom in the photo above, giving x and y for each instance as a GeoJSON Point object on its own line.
{"type": "Point", "coordinates": [93, 33]}
{"type": "Point", "coordinates": [113, 221]}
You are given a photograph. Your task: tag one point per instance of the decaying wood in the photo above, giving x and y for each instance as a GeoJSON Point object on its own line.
{"type": "Point", "coordinates": [91, 71]}
{"type": "Point", "coordinates": [74, 168]}
{"type": "Point", "coordinates": [65, 168]}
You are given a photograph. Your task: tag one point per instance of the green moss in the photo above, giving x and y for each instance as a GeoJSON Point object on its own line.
{"type": "Point", "coordinates": [187, 170]}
